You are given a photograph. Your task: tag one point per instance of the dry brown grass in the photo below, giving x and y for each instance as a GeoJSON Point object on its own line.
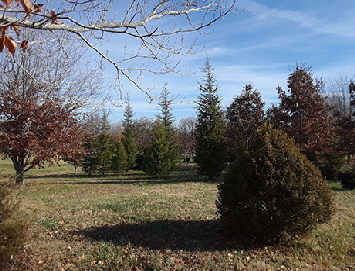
{"type": "Point", "coordinates": [134, 222]}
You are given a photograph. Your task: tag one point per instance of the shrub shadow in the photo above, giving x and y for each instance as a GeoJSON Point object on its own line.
{"type": "Point", "coordinates": [147, 181]}
{"type": "Point", "coordinates": [57, 176]}
{"type": "Point", "coordinates": [190, 235]}
{"type": "Point", "coordinates": [135, 178]}
{"type": "Point", "coordinates": [184, 174]}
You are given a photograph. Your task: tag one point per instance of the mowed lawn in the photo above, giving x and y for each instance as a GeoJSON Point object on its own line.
{"type": "Point", "coordinates": [134, 222]}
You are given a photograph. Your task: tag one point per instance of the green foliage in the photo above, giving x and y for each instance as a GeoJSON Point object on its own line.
{"type": "Point", "coordinates": [104, 147]}
{"type": "Point", "coordinates": [210, 128]}
{"type": "Point", "coordinates": [128, 115]}
{"type": "Point", "coordinates": [104, 154]}
{"type": "Point", "coordinates": [347, 177]}
{"type": "Point", "coordinates": [165, 116]}
{"type": "Point", "coordinates": [99, 145]}
{"type": "Point", "coordinates": [128, 137]}
{"type": "Point", "coordinates": [89, 160]}
{"type": "Point", "coordinates": [99, 154]}
{"type": "Point", "coordinates": [131, 150]}
{"type": "Point", "coordinates": [119, 158]}
{"type": "Point", "coordinates": [331, 164]}
{"type": "Point", "coordinates": [13, 229]}
{"type": "Point", "coordinates": [272, 192]}
{"type": "Point", "coordinates": [161, 157]}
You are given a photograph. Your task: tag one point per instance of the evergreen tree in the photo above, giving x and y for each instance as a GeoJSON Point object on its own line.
{"type": "Point", "coordinates": [128, 137]}
{"type": "Point", "coordinates": [210, 128]}
{"type": "Point", "coordinates": [128, 115]}
{"type": "Point", "coordinates": [119, 157]}
{"type": "Point", "coordinates": [103, 126]}
{"type": "Point", "coordinates": [160, 158]}
{"type": "Point", "coordinates": [244, 115]}
{"type": "Point", "coordinates": [131, 149]}
{"type": "Point", "coordinates": [99, 146]}
{"type": "Point", "coordinates": [104, 146]}
{"type": "Point", "coordinates": [89, 159]}
{"type": "Point", "coordinates": [165, 147]}
{"type": "Point", "coordinates": [165, 116]}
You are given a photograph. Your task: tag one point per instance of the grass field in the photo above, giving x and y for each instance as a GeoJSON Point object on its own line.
{"type": "Point", "coordinates": [134, 222]}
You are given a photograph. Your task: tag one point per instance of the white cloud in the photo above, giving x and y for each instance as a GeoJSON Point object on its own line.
{"type": "Point", "coordinates": [325, 21]}
{"type": "Point", "coordinates": [265, 78]}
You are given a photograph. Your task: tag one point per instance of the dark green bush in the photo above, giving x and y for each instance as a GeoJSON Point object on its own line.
{"type": "Point", "coordinates": [347, 177]}
{"type": "Point", "coordinates": [13, 228]}
{"type": "Point", "coordinates": [272, 192]}
{"type": "Point", "coordinates": [161, 157]}
{"type": "Point", "coordinates": [330, 165]}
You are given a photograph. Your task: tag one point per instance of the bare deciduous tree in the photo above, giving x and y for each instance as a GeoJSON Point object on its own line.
{"type": "Point", "coordinates": [187, 137]}
{"type": "Point", "coordinates": [143, 132]}
{"type": "Point", "coordinates": [340, 97]}
{"type": "Point", "coordinates": [157, 28]}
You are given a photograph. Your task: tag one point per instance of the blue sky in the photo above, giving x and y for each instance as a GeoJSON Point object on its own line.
{"type": "Point", "coordinates": [259, 46]}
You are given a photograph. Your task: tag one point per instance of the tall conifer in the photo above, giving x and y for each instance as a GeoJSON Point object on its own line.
{"type": "Point", "coordinates": [211, 127]}
{"type": "Point", "coordinates": [166, 117]}
{"type": "Point", "coordinates": [128, 137]}
{"type": "Point", "coordinates": [119, 157]}
{"type": "Point", "coordinates": [162, 156]}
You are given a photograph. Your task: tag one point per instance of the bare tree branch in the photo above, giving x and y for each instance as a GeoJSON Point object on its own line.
{"type": "Point", "coordinates": [150, 23]}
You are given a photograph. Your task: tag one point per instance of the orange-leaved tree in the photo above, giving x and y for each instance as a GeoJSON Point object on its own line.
{"type": "Point", "coordinates": [40, 110]}
{"type": "Point", "coordinates": [304, 114]}
{"type": "Point", "coordinates": [34, 130]}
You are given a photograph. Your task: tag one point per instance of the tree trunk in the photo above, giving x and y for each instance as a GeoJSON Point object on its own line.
{"type": "Point", "coordinates": [20, 170]}
{"type": "Point", "coordinates": [19, 177]}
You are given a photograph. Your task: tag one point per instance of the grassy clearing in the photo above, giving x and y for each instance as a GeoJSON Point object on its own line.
{"type": "Point", "coordinates": [7, 169]}
{"type": "Point", "coordinates": [134, 222]}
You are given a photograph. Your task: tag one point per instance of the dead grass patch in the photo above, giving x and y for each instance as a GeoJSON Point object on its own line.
{"type": "Point", "coordinates": [133, 222]}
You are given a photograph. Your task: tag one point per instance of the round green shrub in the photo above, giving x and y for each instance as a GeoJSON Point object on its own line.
{"type": "Point", "coordinates": [272, 192]}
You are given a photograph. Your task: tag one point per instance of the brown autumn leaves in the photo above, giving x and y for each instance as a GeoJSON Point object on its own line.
{"type": "Point", "coordinates": [6, 40]}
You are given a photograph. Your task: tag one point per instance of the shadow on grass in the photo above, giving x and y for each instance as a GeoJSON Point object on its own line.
{"type": "Point", "coordinates": [147, 180]}
{"type": "Point", "coordinates": [194, 235]}
{"type": "Point", "coordinates": [179, 176]}
{"type": "Point", "coordinates": [57, 176]}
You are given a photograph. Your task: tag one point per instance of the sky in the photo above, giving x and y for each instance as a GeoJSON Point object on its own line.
{"type": "Point", "coordinates": [259, 45]}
